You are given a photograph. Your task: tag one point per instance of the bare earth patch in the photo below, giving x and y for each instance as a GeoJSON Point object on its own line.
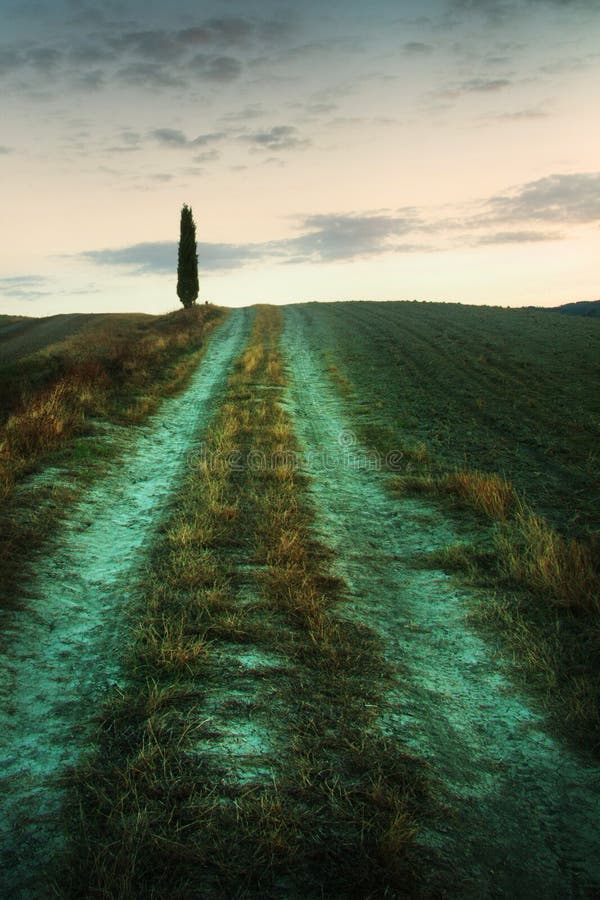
{"type": "Point", "coordinates": [520, 810]}
{"type": "Point", "coordinates": [62, 650]}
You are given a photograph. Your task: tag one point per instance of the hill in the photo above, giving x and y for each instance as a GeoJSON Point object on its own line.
{"type": "Point", "coordinates": [588, 308]}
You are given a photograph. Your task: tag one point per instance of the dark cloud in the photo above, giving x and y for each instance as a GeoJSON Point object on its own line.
{"type": "Point", "coordinates": [174, 138]}
{"type": "Point", "coordinates": [90, 81]}
{"type": "Point", "coordinates": [416, 48]}
{"type": "Point", "coordinates": [500, 11]}
{"type": "Point", "coordinates": [150, 75]}
{"type": "Point", "coordinates": [45, 60]}
{"type": "Point", "coordinates": [170, 137]}
{"type": "Point", "coordinates": [573, 198]}
{"type": "Point", "coordinates": [230, 31]}
{"type": "Point", "coordinates": [215, 68]}
{"type": "Point", "coordinates": [168, 45]}
{"type": "Point", "coordinates": [280, 137]}
{"type": "Point", "coordinates": [11, 60]}
{"type": "Point", "coordinates": [155, 57]}
{"type": "Point", "coordinates": [211, 137]}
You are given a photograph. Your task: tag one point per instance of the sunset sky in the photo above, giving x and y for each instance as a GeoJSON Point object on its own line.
{"type": "Point", "coordinates": [331, 150]}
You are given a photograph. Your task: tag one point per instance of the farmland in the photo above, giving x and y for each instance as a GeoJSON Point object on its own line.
{"type": "Point", "coordinates": [316, 627]}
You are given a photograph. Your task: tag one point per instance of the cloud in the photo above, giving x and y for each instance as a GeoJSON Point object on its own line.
{"type": "Point", "coordinates": [90, 81]}
{"type": "Point", "coordinates": [176, 139]}
{"type": "Point", "coordinates": [348, 236]}
{"type": "Point", "coordinates": [215, 68]}
{"type": "Point", "coordinates": [280, 137]}
{"type": "Point", "coordinates": [170, 137]}
{"type": "Point", "coordinates": [501, 10]}
{"type": "Point", "coordinates": [416, 48]}
{"type": "Point", "coordinates": [518, 237]}
{"type": "Point", "coordinates": [23, 287]}
{"type": "Point", "coordinates": [522, 115]}
{"type": "Point", "coordinates": [44, 59]}
{"type": "Point", "coordinates": [251, 111]}
{"type": "Point", "coordinates": [573, 198]}
{"type": "Point", "coordinates": [473, 86]}
{"type": "Point", "coordinates": [344, 237]}
{"type": "Point", "coordinates": [11, 59]}
{"type": "Point", "coordinates": [149, 75]}
{"type": "Point", "coordinates": [212, 137]}
{"type": "Point", "coordinates": [207, 156]}
{"type": "Point", "coordinates": [5, 150]}
{"type": "Point", "coordinates": [211, 49]}
{"type": "Point", "coordinates": [161, 256]}
{"type": "Point", "coordinates": [484, 85]}
{"type": "Point", "coordinates": [168, 45]}
{"type": "Point", "coordinates": [326, 238]}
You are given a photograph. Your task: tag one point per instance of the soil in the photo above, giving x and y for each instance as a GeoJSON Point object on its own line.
{"type": "Point", "coordinates": [519, 810]}
{"type": "Point", "coordinates": [63, 647]}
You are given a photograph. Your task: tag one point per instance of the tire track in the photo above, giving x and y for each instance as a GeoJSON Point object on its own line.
{"type": "Point", "coordinates": [521, 812]}
{"type": "Point", "coordinates": [63, 649]}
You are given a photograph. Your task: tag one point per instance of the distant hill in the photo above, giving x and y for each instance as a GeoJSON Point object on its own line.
{"type": "Point", "coordinates": [589, 308]}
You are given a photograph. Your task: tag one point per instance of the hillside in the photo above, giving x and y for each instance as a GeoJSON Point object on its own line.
{"type": "Point", "coordinates": [314, 612]}
{"type": "Point", "coordinates": [588, 308]}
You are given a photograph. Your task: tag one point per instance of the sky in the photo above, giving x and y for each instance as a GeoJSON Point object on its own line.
{"type": "Point", "coordinates": [442, 150]}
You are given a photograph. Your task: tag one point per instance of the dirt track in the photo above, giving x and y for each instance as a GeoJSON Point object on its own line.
{"type": "Point", "coordinates": [522, 812]}
{"type": "Point", "coordinates": [63, 649]}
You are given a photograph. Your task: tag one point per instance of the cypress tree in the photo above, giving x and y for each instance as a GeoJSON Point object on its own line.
{"type": "Point", "coordinates": [187, 261]}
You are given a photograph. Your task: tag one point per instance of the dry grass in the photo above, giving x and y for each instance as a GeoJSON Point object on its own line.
{"type": "Point", "coordinates": [487, 493]}
{"type": "Point", "coordinates": [117, 372]}
{"type": "Point", "coordinates": [563, 570]}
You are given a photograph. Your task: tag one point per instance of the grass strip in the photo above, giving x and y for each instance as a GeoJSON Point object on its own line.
{"type": "Point", "coordinates": [329, 805]}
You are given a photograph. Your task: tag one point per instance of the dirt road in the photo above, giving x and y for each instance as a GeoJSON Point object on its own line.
{"type": "Point", "coordinates": [521, 812]}
{"type": "Point", "coordinates": [63, 649]}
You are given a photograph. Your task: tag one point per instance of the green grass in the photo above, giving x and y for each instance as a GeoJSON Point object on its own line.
{"type": "Point", "coordinates": [158, 811]}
